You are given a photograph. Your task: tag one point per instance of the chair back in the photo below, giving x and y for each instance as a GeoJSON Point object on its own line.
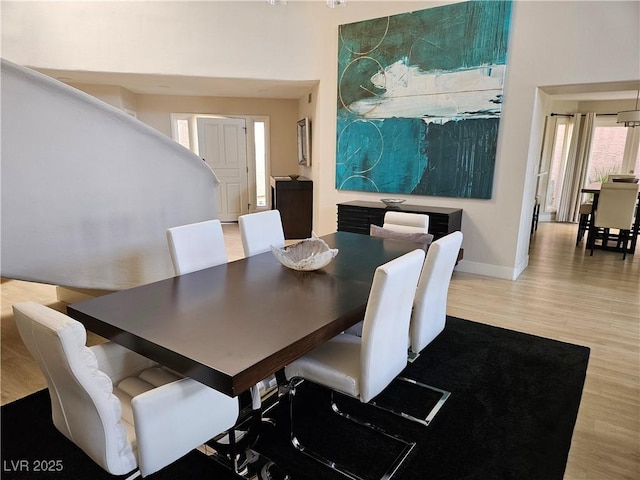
{"type": "Point", "coordinates": [83, 406]}
{"type": "Point", "coordinates": [258, 231]}
{"type": "Point", "coordinates": [616, 205]}
{"type": "Point", "coordinates": [406, 222]}
{"type": "Point", "coordinates": [383, 353]}
{"type": "Point", "coordinates": [196, 246]}
{"type": "Point", "coordinates": [430, 306]}
{"type": "Point", "coordinates": [617, 177]}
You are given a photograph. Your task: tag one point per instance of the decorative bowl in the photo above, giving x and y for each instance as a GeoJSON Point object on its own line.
{"type": "Point", "coordinates": [392, 202]}
{"type": "Point", "coordinates": [307, 255]}
{"type": "Point", "coordinates": [294, 176]}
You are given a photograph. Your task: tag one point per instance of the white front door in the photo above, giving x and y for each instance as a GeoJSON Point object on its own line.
{"type": "Point", "coordinates": [222, 144]}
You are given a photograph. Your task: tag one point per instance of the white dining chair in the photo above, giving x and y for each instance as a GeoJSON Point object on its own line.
{"type": "Point", "coordinates": [616, 208]}
{"type": "Point", "coordinates": [196, 246]}
{"type": "Point", "coordinates": [406, 222]}
{"type": "Point", "coordinates": [362, 367]}
{"type": "Point", "coordinates": [201, 245]}
{"type": "Point", "coordinates": [260, 230]}
{"type": "Point", "coordinates": [430, 305]}
{"type": "Point", "coordinates": [621, 177]}
{"type": "Point", "coordinates": [429, 314]}
{"type": "Point", "coordinates": [123, 410]}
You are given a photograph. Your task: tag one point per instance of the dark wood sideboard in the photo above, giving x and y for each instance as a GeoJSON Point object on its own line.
{"type": "Point", "coordinates": [357, 216]}
{"type": "Point", "coordinates": [294, 200]}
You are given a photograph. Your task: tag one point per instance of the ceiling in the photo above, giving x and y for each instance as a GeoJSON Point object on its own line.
{"type": "Point", "coordinates": [189, 85]}
{"type": "Point", "coordinates": [594, 91]}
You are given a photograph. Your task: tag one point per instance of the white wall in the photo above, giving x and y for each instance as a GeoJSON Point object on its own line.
{"type": "Point", "coordinates": [551, 43]}
{"type": "Point", "coordinates": [155, 110]}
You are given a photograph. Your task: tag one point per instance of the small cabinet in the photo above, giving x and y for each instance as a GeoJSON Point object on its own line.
{"type": "Point", "coordinates": [294, 199]}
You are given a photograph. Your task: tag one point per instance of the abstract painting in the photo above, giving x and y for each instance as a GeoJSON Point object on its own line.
{"type": "Point", "coordinates": [419, 100]}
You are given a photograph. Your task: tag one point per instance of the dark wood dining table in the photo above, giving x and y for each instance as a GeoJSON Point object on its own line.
{"type": "Point", "coordinates": [233, 325]}
{"type": "Point", "coordinates": [594, 188]}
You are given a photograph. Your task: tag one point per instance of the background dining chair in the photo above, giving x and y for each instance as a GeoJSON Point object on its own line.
{"type": "Point", "coordinates": [586, 209]}
{"type": "Point", "coordinates": [621, 177]}
{"type": "Point", "coordinates": [406, 222]}
{"type": "Point", "coordinates": [361, 367]}
{"type": "Point", "coordinates": [123, 410]}
{"type": "Point", "coordinates": [260, 230]}
{"type": "Point", "coordinates": [196, 246]}
{"type": "Point", "coordinates": [616, 208]}
{"type": "Point", "coordinates": [422, 239]}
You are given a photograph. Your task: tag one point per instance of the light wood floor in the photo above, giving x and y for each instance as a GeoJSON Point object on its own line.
{"type": "Point", "coordinates": [564, 294]}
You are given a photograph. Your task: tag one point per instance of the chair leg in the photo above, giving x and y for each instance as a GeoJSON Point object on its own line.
{"type": "Point", "coordinates": [134, 475]}
{"type": "Point", "coordinates": [582, 227]}
{"type": "Point", "coordinates": [444, 395]}
{"type": "Point", "coordinates": [593, 240]}
{"type": "Point", "coordinates": [404, 454]}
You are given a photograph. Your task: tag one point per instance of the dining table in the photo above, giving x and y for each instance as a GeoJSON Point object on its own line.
{"type": "Point", "coordinates": [594, 189]}
{"type": "Point", "coordinates": [232, 325]}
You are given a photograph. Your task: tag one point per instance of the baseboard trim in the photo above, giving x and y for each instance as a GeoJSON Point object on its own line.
{"type": "Point", "coordinates": [489, 270]}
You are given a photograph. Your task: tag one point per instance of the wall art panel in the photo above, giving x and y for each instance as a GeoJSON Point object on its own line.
{"type": "Point", "coordinates": [419, 100]}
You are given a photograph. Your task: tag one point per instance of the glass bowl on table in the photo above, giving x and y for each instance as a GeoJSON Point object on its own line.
{"type": "Point", "coordinates": [307, 255]}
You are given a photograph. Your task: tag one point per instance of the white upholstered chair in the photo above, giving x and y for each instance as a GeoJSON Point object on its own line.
{"type": "Point", "coordinates": [362, 367]}
{"type": "Point", "coordinates": [616, 209]}
{"type": "Point", "coordinates": [429, 313]}
{"type": "Point", "coordinates": [123, 410]}
{"type": "Point", "coordinates": [406, 222]}
{"type": "Point", "coordinates": [196, 246]}
{"type": "Point", "coordinates": [260, 230]}
{"type": "Point", "coordinates": [430, 305]}
{"type": "Point", "coordinates": [201, 245]}
{"type": "Point", "coordinates": [620, 177]}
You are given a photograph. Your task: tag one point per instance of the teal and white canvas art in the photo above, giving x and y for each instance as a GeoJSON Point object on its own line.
{"type": "Point", "coordinates": [420, 100]}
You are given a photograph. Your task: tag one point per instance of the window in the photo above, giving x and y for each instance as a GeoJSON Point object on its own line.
{"type": "Point", "coordinates": [612, 150]}
{"type": "Point", "coordinates": [552, 164]}
{"type": "Point", "coordinates": [260, 162]}
{"type": "Point", "coordinates": [182, 125]}
{"type": "Point", "coordinates": [560, 147]}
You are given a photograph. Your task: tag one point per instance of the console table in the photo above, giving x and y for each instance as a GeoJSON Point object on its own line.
{"type": "Point", "coordinates": [294, 200]}
{"type": "Point", "coordinates": [357, 217]}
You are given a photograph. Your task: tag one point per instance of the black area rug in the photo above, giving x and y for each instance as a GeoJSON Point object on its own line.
{"type": "Point", "coordinates": [511, 414]}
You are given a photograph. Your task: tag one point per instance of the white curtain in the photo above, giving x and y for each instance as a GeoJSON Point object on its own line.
{"type": "Point", "coordinates": [575, 174]}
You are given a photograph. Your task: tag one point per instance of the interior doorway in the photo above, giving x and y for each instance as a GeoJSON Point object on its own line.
{"type": "Point", "coordinates": [222, 144]}
{"type": "Point", "coordinates": [237, 150]}
{"type": "Point", "coordinates": [613, 148]}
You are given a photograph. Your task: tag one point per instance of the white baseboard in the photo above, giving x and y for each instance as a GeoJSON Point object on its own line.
{"type": "Point", "coordinates": [489, 270]}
